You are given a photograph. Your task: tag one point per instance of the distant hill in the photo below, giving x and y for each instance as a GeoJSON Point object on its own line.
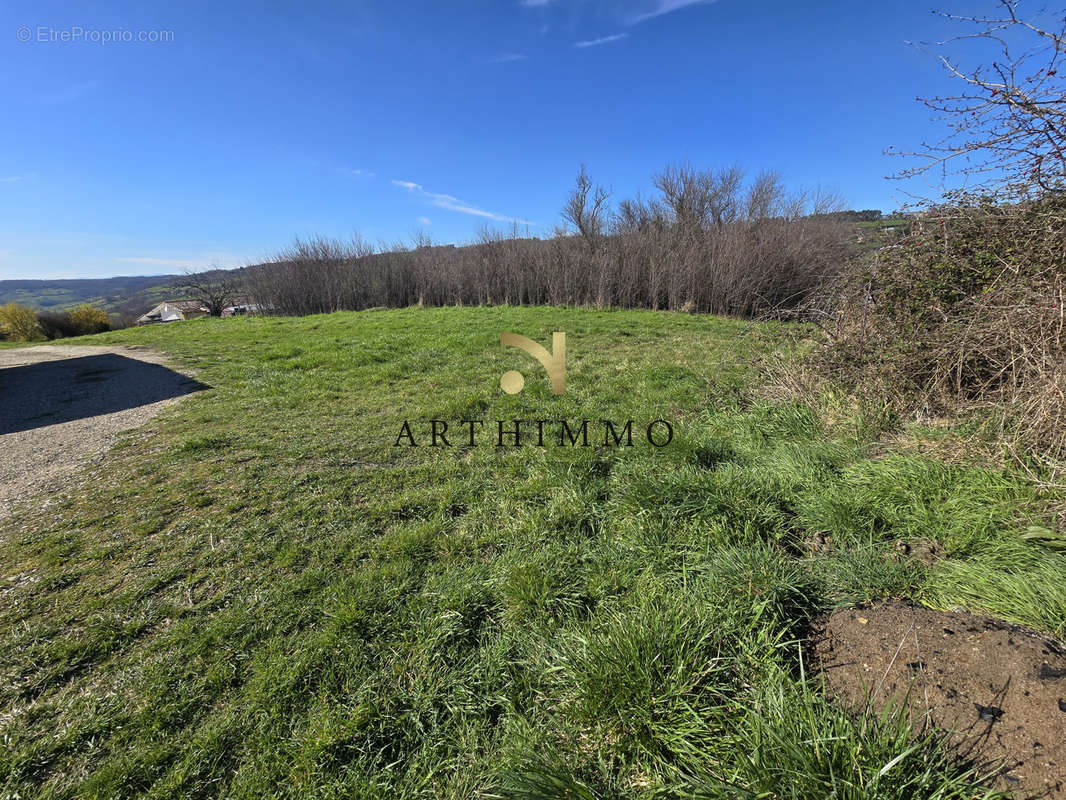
{"type": "Point", "coordinates": [131, 294]}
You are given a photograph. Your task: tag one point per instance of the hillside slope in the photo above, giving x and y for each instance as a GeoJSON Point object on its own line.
{"type": "Point", "coordinates": [121, 294]}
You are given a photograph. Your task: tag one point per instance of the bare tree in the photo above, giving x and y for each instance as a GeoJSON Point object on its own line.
{"type": "Point", "coordinates": [764, 196]}
{"type": "Point", "coordinates": [684, 192]}
{"type": "Point", "coordinates": [638, 216]}
{"type": "Point", "coordinates": [586, 208]}
{"type": "Point", "coordinates": [723, 202]}
{"type": "Point", "coordinates": [216, 288]}
{"type": "Point", "coordinates": [1007, 123]}
{"type": "Point", "coordinates": [701, 197]}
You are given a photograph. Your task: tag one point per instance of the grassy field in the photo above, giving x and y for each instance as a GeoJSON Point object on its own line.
{"type": "Point", "coordinates": [262, 596]}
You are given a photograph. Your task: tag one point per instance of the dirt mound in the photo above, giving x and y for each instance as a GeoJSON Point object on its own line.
{"type": "Point", "coordinates": [998, 688]}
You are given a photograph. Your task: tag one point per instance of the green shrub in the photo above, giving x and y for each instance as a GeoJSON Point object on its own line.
{"type": "Point", "coordinates": [20, 323]}
{"type": "Point", "coordinates": [87, 318]}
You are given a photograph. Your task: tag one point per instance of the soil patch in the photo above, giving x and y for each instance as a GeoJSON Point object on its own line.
{"type": "Point", "coordinates": [999, 689]}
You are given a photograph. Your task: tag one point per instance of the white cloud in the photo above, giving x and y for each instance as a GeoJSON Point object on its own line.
{"type": "Point", "coordinates": [425, 220]}
{"type": "Point", "coordinates": [450, 203]}
{"type": "Point", "coordinates": [11, 179]}
{"type": "Point", "coordinates": [626, 12]}
{"type": "Point", "coordinates": [602, 40]}
{"type": "Point", "coordinates": [665, 7]}
{"type": "Point", "coordinates": [506, 58]}
{"type": "Point", "coordinates": [362, 173]}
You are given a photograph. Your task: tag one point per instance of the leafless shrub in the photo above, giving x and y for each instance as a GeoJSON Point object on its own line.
{"type": "Point", "coordinates": [965, 313]}
{"type": "Point", "coordinates": [764, 196]}
{"type": "Point", "coordinates": [701, 198]}
{"type": "Point", "coordinates": [708, 243]}
{"type": "Point", "coordinates": [712, 245]}
{"type": "Point", "coordinates": [315, 276]}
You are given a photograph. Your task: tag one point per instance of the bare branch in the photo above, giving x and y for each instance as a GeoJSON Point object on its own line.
{"type": "Point", "coordinates": [586, 208]}
{"type": "Point", "coordinates": [1007, 125]}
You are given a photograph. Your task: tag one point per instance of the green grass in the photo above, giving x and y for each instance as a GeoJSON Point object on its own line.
{"type": "Point", "coordinates": [260, 596]}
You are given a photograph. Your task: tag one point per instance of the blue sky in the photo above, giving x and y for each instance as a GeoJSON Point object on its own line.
{"type": "Point", "coordinates": [258, 122]}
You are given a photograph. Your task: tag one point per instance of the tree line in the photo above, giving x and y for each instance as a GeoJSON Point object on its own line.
{"type": "Point", "coordinates": [713, 241]}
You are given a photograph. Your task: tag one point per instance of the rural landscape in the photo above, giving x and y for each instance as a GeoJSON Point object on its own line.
{"type": "Point", "coordinates": [719, 488]}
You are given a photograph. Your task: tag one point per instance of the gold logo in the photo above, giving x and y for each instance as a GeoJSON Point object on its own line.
{"type": "Point", "coordinates": [554, 362]}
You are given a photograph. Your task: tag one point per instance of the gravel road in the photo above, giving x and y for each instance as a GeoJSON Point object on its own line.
{"type": "Point", "coordinates": [63, 406]}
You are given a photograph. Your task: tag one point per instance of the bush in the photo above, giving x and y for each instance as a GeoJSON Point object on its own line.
{"type": "Point", "coordinates": [19, 323]}
{"type": "Point", "coordinates": [80, 321]}
{"type": "Point", "coordinates": [87, 318]}
{"type": "Point", "coordinates": [966, 312]}
{"type": "Point", "coordinates": [56, 324]}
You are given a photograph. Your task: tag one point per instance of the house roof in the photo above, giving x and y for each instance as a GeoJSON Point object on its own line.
{"type": "Point", "coordinates": [173, 310]}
